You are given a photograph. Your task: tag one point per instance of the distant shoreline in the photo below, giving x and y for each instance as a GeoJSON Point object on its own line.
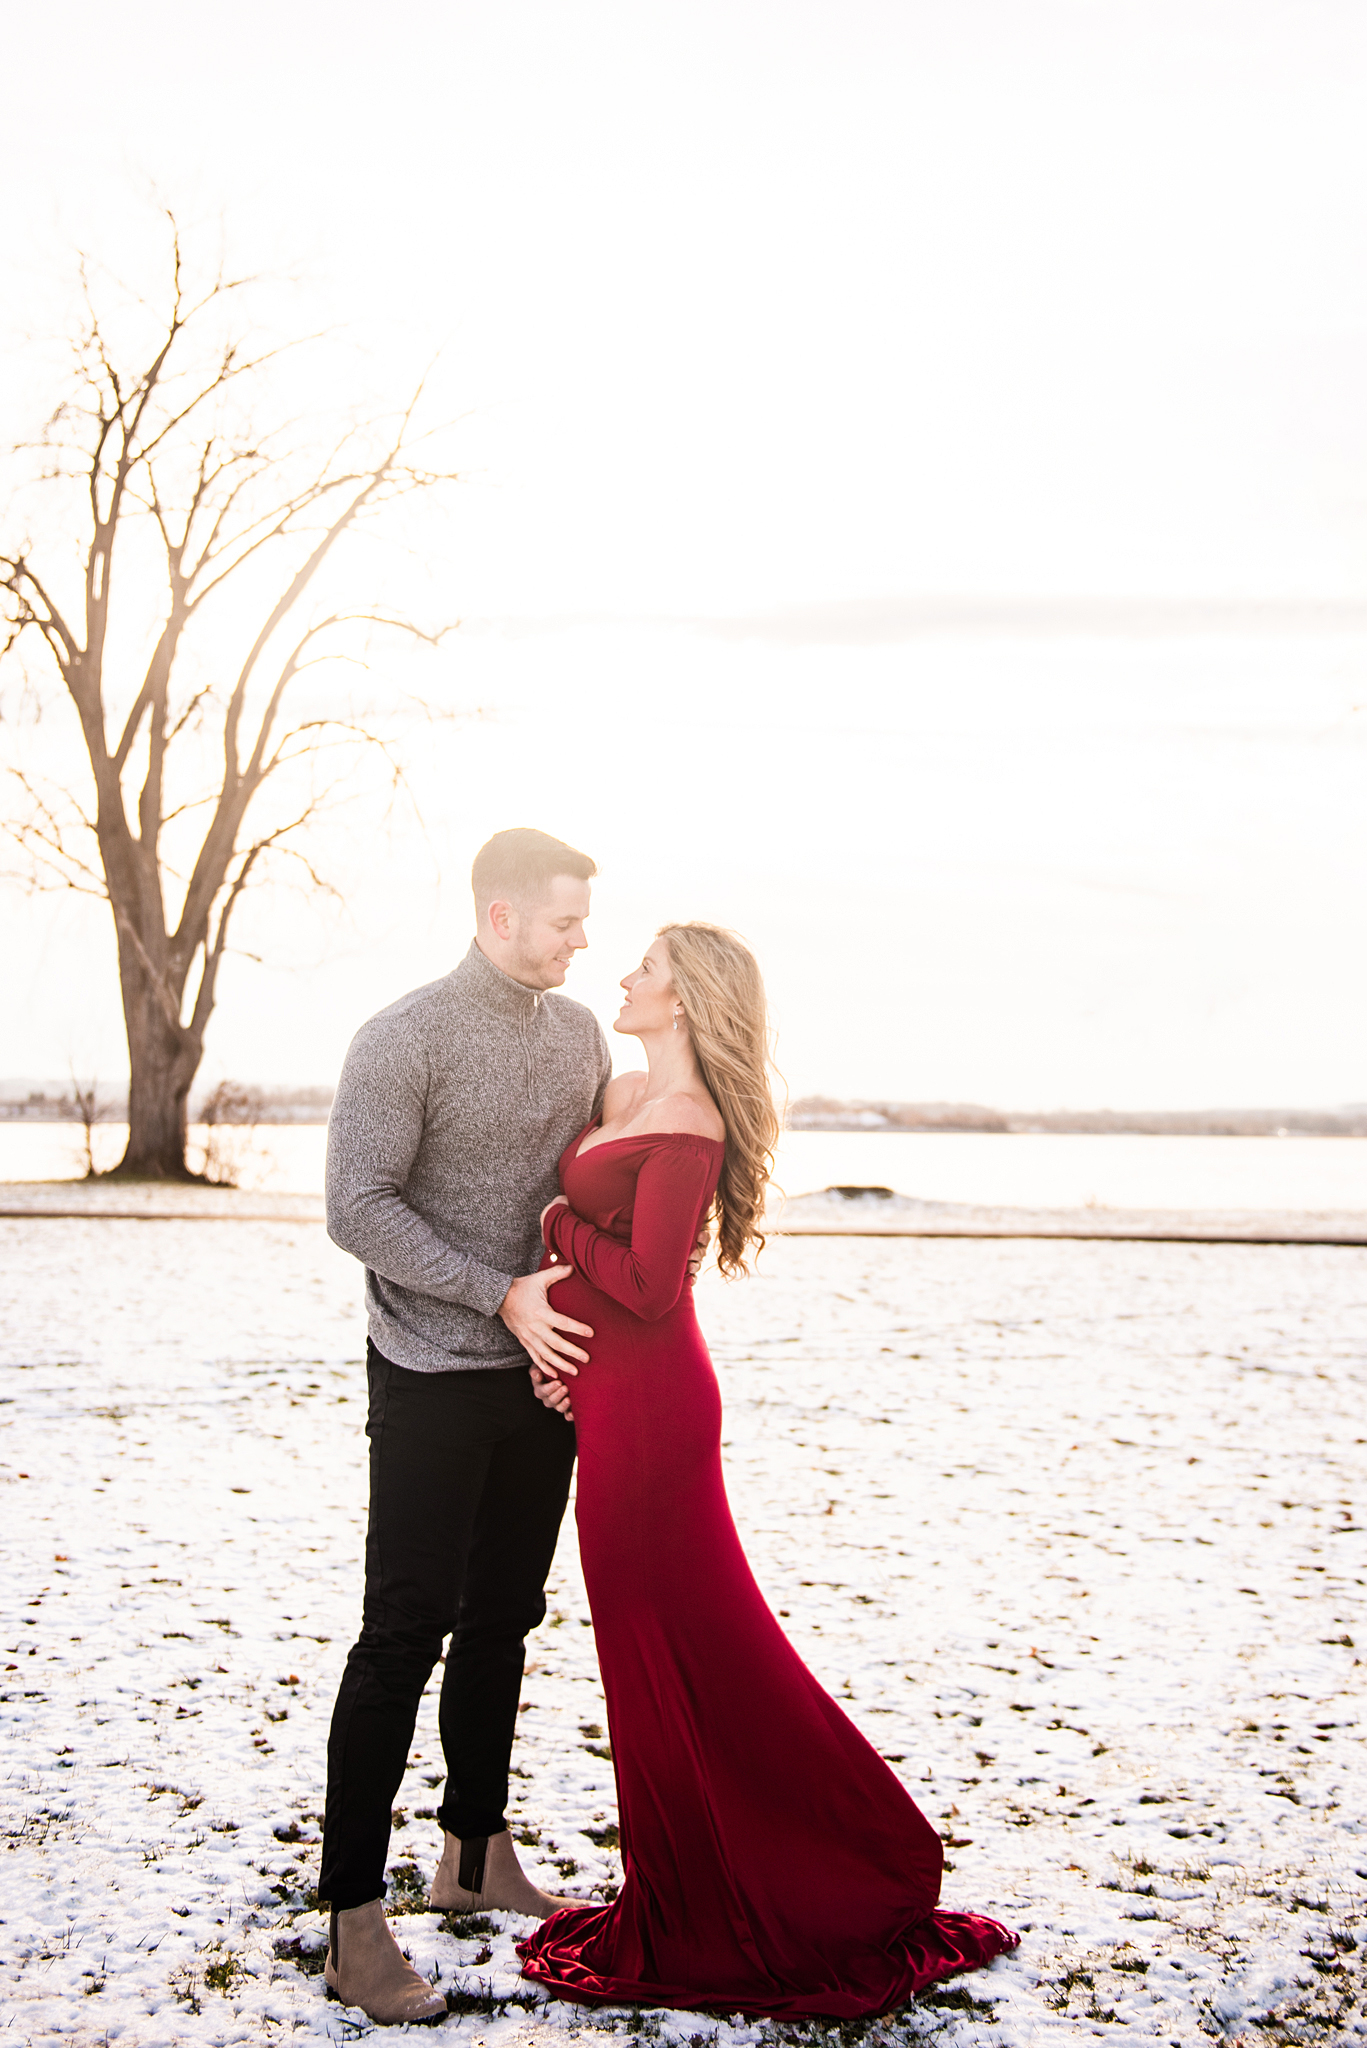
{"type": "Point", "coordinates": [820, 1113]}
{"type": "Point", "coordinates": [244, 1106]}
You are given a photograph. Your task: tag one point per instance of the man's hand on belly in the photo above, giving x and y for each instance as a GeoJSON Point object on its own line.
{"type": "Point", "coordinates": [538, 1329]}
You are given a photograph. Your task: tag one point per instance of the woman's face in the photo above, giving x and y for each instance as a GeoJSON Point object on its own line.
{"type": "Point", "coordinates": [650, 998]}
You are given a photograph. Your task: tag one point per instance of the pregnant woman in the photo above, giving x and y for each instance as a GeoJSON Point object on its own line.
{"type": "Point", "coordinates": [772, 1863]}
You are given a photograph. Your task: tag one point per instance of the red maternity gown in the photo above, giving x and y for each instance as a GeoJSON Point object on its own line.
{"type": "Point", "coordinates": [773, 1864]}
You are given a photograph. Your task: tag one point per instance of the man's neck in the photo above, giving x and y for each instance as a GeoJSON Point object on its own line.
{"type": "Point", "coordinates": [506, 967]}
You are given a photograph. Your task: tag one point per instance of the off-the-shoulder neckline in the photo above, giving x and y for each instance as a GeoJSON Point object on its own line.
{"type": "Point", "coordinates": [642, 1137]}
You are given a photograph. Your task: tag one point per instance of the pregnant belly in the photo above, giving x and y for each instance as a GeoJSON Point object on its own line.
{"type": "Point", "coordinates": [574, 1296]}
{"type": "Point", "coordinates": [578, 1297]}
{"type": "Point", "coordinates": [628, 1356]}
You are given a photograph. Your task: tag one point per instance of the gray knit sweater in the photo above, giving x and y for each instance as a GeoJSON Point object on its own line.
{"type": "Point", "coordinates": [453, 1107]}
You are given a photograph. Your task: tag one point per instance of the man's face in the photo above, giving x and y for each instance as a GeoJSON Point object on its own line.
{"type": "Point", "coordinates": [544, 937]}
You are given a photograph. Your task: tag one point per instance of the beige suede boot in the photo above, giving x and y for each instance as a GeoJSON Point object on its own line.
{"type": "Point", "coordinates": [483, 1875]}
{"type": "Point", "coordinates": [366, 1967]}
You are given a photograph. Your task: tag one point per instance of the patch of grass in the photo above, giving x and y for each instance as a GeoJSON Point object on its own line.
{"type": "Point", "coordinates": [183, 1989]}
{"type": "Point", "coordinates": [310, 1960]}
{"type": "Point", "coordinates": [608, 1836]}
{"type": "Point", "coordinates": [1324, 2017]}
{"type": "Point", "coordinates": [225, 1974]}
{"type": "Point", "coordinates": [467, 1926]}
{"type": "Point", "coordinates": [482, 2001]}
{"type": "Point", "coordinates": [956, 1999]}
{"type": "Point", "coordinates": [1071, 1981]}
{"type": "Point", "coordinates": [845, 2033]}
{"type": "Point", "coordinates": [288, 1890]}
{"type": "Point", "coordinates": [408, 1889]}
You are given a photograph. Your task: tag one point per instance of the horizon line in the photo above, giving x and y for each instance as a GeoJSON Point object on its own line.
{"type": "Point", "coordinates": [886, 621]}
{"type": "Point", "coordinates": [39, 1085]}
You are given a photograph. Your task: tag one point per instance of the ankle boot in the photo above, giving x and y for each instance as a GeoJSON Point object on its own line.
{"type": "Point", "coordinates": [482, 1875]}
{"type": "Point", "coordinates": [366, 1967]}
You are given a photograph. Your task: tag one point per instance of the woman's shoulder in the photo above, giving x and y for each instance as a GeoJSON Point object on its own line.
{"type": "Point", "coordinates": [685, 1115]}
{"type": "Point", "coordinates": [621, 1095]}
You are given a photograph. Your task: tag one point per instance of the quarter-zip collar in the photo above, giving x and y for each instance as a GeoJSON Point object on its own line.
{"type": "Point", "coordinates": [494, 991]}
{"type": "Point", "coordinates": [497, 992]}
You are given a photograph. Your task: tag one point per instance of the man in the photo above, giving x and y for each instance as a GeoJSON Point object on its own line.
{"type": "Point", "coordinates": [453, 1108]}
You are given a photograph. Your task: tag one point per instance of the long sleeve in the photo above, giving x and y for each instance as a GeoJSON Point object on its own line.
{"type": "Point", "coordinates": [374, 1132]}
{"type": "Point", "coordinates": [673, 1190]}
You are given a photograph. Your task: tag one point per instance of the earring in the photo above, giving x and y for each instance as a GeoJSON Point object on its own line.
{"type": "Point", "coordinates": [676, 1020]}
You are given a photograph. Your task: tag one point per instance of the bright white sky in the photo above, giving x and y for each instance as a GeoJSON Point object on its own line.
{"type": "Point", "coordinates": [757, 306]}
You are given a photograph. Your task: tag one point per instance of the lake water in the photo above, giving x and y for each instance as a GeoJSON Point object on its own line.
{"type": "Point", "coordinates": [1027, 1171]}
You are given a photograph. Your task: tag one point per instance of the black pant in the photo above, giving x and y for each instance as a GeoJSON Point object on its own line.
{"type": "Point", "coordinates": [469, 1475]}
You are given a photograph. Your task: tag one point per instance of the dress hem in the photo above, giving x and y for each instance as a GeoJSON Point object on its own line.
{"type": "Point", "coordinates": [963, 1930]}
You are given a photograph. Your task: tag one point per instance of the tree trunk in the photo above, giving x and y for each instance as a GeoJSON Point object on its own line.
{"type": "Point", "coordinates": [163, 1060]}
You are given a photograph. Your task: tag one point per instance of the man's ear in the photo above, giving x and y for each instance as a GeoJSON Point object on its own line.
{"type": "Point", "coordinates": [501, 919]}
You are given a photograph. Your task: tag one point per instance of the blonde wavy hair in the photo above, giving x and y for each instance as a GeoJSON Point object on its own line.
{"type": "Point", "coordinates": [718, 982]}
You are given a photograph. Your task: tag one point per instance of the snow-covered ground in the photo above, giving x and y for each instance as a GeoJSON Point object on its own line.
{"type": "Point", "coordinates": [1074, 1529]}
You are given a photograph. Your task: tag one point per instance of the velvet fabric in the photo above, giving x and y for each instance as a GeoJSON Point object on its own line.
{"type": "Point", "coordinates": [773, 1863]}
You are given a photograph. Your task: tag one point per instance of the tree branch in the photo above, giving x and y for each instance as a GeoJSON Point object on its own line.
{"type": "Point", "coordinates": [151, 446]}
{"type": "Point", "coordinates": [18, 571]}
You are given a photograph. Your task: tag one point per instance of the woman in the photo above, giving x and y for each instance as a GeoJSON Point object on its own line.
{"type": "Point", "coordinates": [773, 1864]}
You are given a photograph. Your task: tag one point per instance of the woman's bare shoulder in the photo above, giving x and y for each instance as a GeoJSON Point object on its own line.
{"type": "Point", "coordinates": [621, 1095]}
{"type": "Point", "coordinates": [686, 1114]}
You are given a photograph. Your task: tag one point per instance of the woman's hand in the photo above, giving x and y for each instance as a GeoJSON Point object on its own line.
{"type": "Point", "coordinates": [552, 1392]}
{"type": "Point", "coordinates": [559, 1202]}
{"type": "Point", "coordinates": [704, 1238]}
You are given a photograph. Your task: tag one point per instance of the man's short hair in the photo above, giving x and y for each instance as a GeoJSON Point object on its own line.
{"type": "Point", "coordinates": [519, 866]}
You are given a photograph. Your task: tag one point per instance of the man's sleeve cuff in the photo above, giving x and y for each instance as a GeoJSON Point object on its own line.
{"type": "Point", "coordinates": [489, 1290]}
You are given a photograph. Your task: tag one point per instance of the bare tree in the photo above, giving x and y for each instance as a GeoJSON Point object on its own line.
{"type": "Point", "coordinates": [230, 1114]}
{"type": "Point", "coordinates": [91, 1108]}
{"type": "Point", "coordinates": [175, 480]}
